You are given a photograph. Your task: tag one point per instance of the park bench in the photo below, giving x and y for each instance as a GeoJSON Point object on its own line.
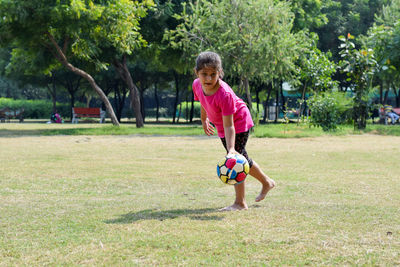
{"type": "Point", "coordinates": [6, 114]}
{"type": "Point", "coordinates": [88, 113]}
{"type": "Point", "coordinates": [384, 117]}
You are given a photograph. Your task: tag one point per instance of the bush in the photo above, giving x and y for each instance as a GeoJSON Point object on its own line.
{"type": "Point", "coordinates": [189, 105]}
{"type": "Point", "coordinates": [329, 110]}
{"type": "Point", "coordinates": [35, 109]}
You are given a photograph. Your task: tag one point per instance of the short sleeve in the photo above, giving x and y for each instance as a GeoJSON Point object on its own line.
{"type": "Point", "coordinates": [228, 106]}
{"type": "Point", "coordinates": [194, 87]}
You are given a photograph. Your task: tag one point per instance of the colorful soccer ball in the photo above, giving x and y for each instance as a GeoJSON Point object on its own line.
{"type": "Point", "coordinates": [233, 169]}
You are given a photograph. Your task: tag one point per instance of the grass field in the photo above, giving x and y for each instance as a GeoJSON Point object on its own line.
{"type": "Point", "coordinates": [136, 200]}
{"type": "Point", "coordinates": [279, 130]}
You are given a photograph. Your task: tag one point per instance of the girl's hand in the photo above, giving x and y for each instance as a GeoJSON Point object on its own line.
{"type": "Point", "coordinates": [208, 128]}
{"type": "Point", "coordinates": [232, 152]}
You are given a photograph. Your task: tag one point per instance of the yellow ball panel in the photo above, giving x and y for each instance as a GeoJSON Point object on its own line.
{"type": "Point", "coordinates": [246, 168]}
{"type": "Point", "coordinates": [224, 178]}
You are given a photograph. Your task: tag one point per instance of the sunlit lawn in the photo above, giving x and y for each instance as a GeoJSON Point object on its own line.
{"type": "Point", "coordinates": [279, 130]}
{"type": "Point", "coordinates": [123, 200]}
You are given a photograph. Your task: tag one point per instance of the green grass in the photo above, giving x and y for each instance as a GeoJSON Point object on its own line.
{"type": "Point", "coordinates": [97, 129]}
{"type": "Point", "coordinates": [291, 130]}
{"type": "Point", "coordinates": [134, 200]}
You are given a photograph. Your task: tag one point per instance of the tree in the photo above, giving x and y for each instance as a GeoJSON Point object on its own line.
{"type": "Point", "coordinates": [315, 71]}
{"type": "Point", "coordinates": [164, 59]}
{"type": "Point", "coordinates": [308, 14]}
{"type": "Point", "coordinates": [384, 38]}
{"type": "Point", "coordinates": [359, 66]}
{"type": "Point", "coordinates": [71, 30]}
{"type": "Point", "coordinates": [253, 37]}
{"type": "Point", "coordinates": [19, 79]}
{"type": "Point", "coordinates": [127, 15]}
{"type": "Point", "coordinates": [344, 16]}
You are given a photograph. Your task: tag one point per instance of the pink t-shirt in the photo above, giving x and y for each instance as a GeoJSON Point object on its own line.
{"type": "Point", "coordinates": [224, 102]}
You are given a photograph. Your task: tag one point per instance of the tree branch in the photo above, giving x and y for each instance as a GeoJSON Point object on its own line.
{"type": "Point", "coordinates": [61, 55]}
{"type": "Point", "coordinates": [66, 42]}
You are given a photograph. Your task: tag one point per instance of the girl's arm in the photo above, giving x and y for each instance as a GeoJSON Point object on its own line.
{"type": "Point", "coordinates": [207, 127]}
{"type": "Point", "coordinates": [230, 133]}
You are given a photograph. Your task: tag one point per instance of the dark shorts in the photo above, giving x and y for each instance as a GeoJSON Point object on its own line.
{"type": "Point", "coordinates": [240, 145]}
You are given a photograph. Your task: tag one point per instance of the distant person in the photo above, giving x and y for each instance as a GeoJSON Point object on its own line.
{"type": "Point", "coordinates": [221, 107]}
{"type": "Point", "coordinates": [55, 118]}
{"type": "Point", "coordinates": [391, 114]}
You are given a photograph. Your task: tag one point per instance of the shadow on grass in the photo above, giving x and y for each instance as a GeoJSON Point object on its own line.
{"type": "Point", "coordinates": [161, 215]}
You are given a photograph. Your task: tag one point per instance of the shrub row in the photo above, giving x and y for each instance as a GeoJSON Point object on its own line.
{"type": "Point", "coordinates": [35, 109]}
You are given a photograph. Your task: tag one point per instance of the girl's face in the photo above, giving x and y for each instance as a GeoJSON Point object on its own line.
{"type": "Point", "coordinates": [209, 77]}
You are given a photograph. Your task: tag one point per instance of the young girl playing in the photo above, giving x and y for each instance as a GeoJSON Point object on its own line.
{"type": "Point", "coordinates": [230, 115]}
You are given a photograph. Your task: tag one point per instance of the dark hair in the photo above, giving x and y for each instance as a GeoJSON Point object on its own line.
{"type": "Point", "coordinates": [209, 59]}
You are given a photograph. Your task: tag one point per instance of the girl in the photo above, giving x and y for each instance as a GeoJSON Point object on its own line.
{"type": "Point", "coordinates": [230, 115]}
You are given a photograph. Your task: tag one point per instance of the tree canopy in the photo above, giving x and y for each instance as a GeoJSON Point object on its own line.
{"type": "Point", "coordinates": [73, 29]}
{"type": "Point", "coordinates": [253, 37]}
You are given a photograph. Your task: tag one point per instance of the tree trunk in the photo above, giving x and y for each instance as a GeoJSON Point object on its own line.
{"type": "Point", "coordinates": [258, 98]}
{"type": "Point", "coordinates": [63, 60]}
{"type": "Point", "coordinates": [72, 91]}
{"type": "Point", "coordinates": [385, 96]}
{"type": "Point", "coordinates": [119, 98]}
{"type": "Point", "coordinates": [157, 101]}
{"type": "Point", "coordinates": [88, 99]}
{"type": "Point", "coordinates": [141, 93]}
{"type": "Point", "coordinates": [187, 109]}
{"type": "Point", "coordinates": [192, 108]}
{"type": "Point", "coordinates": [53, 92]}
{"type": "Point", "coordinates": [247, 90]}
{"type": "Point", "coordinates": [266, 101]}
{"type": "Point", "coordinates": [282, 97]}
{"type": "Point", "coordinates": [8, 90]}
{"type": "Point", "coordinates": [179, 112]}
{"type": "Point", "coordinates": [360, 110]}
{"type": "Point", "coordinates": [72, 95]}
{"type": "Point", "coordinates": [398, 98]}
{"type": "Point", "coordinates": [276, 105]}
{"type": "Point", "coordinates": [125, 75]}
{"type": "Point", "coordinates": [397, 95]}
{"type": "Point", "coordinates": [303, 96]}
{"type": "Point", "coordinates": [176, 96]}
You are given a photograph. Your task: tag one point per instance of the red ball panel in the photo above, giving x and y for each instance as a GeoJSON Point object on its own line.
{"type": "Point", "coordinates": [230, 163]}
{"type": "Point", "coordinates": [240, 177]}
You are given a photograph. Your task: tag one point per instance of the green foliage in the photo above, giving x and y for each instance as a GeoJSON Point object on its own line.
{"type": "Point", "coordinates": [384, 39]}
{"type": "Point", "coordinates": [328, 110]}
{"type": "Point", "coordinates": [308, 14]}
{"type": "Point", "coordinates": [119, 25]}
{"type": "Point", "coordinates": [197, 106]}
{"type": "Point", "coordinates": [253, 37]}
{"type": "Point", "coordinates": [84, 29]}
{"type": "Point", "coordinates": [315, 69]}
{"type": "Point", "coordinates": [354, 16]}
{"type": "Point", "coordinates": [35, 109]}
{"type": "Point", "coordinates": [359, 66]}
{"type": "Point", "coordinates": [256, 113]}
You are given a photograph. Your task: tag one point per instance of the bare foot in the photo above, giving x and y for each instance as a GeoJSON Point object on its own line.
{"type": "Point", "coordinates": [265, 189]}
{"type": "Point", "coordinates": [234, 207]}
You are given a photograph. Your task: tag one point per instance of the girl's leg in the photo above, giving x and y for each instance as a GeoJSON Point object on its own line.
{"type": "Point", "coordinates": [240, 202]}
{"type": "Point", "coordinates": [267, 183]}
{"type": "Point", "coordinates": [255, 171]}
